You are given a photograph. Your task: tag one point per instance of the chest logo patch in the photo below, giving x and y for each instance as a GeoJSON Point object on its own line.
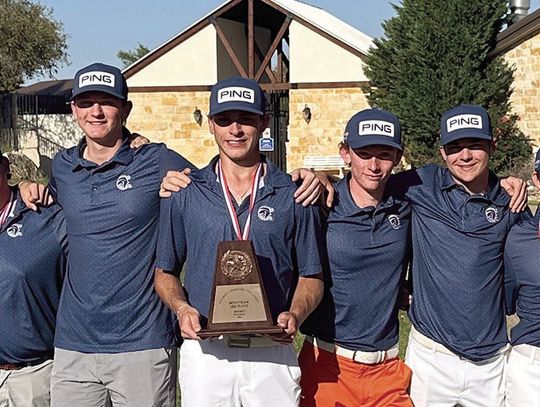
{"type": "Point", "coordinates": [123, 182]}
{"type": "Point", "coordinates": [394, 221]}
{"type": "Point", "coordinates": [14, 230]}
{"type": "Point", "coordinates": [265, 213]}
{"type": "Point", "coordinates": [492, 214]}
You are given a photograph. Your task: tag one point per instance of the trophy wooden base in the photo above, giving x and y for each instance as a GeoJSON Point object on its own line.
{"type": "Point", "coordinates": [213, 333]}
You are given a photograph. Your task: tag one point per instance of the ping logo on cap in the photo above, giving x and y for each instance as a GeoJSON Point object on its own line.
{"type": "Point", "coordinates": [376, 127]}
{"type": "Point", "coordinates": [464, 121]}
{"type": "Point", "coordinates": [236, 94]}
{"type": "Point", "coordinates": [96, 78]}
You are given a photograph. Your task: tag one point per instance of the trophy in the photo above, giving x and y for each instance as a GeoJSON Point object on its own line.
{"type": "Point", "coordinates": [238, 304]}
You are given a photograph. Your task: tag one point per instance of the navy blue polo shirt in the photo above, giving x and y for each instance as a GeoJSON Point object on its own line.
{"type": "Point", "coordinates": [108, 304]}
{"type": "Point", "coordinates": [285, 235]}
{"type": "Point", "coordinates": [457, 263]}
{"type": "Point", "coordinates": [521, 260]}
{"type": "Point", "coordinates": [32, 263]}
{"type": "Point", "coordinates": [367, 250]}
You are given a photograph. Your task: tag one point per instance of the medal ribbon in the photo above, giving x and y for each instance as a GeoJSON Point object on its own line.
{"type": "Point", "coordinates": [8, 208]}
{"type": "Point", "coordinates": [242, 235]}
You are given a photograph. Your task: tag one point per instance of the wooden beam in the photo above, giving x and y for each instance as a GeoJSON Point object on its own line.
{"type": "Point", "coordinates": [155, 89]}
{"type": "Point", "coordinates": [229, 48]}
{"type": "Point", "coordinates": [251, 40]}
{"type": "Point", "coordinates": [280, 69]}
{"type": "Point", "coordinates": [268, 70]}
{"type": "Point", "coordinates": [273, 47]}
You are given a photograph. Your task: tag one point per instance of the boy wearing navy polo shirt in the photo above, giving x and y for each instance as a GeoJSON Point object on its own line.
{"type": "Point", "coordinates": [350, 353]}
{"type": "Point", "coordinates": [237, 195]}
{"type": "Point", "coordinates": [32, 262]}
{"type": "Point", "coordinates": [460, 219]}
{"type": "Point", "coordinates": [114, 337]}
{"type": "Point", "coordinates": [523, 269]}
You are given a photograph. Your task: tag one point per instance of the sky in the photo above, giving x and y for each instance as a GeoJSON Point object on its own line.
{"type": "Point", "coordinates": [98, 29]}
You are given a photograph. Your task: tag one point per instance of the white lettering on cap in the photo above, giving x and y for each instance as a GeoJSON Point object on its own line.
{"type": "Point", "coordinates": [464, 121]}
{"type": "Point", "coordinates": [236, 94]}
{"type": "Point", "coordinates": [376, 127]}
{"type": "Point", "coordinates": [96, 78]}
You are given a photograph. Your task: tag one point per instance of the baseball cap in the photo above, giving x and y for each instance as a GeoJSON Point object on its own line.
{"type": "Point", "coordinates": [465, 121]}
{"type": "Point", "coordinates": [237, 94]}
{"type": "Point", "coordinates": [373, 127]}
{"type": "Point", "coordinates": [537, 161]}
{"type": "Point", "coordinates": [100, 78]}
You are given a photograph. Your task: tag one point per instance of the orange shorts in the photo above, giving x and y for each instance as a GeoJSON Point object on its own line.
{"type": "Point", "coordinates": [329, 380]}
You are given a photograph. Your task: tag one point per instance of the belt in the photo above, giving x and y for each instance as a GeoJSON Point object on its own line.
{"type": "Point", "coordinates": [248, 341]}
{"type": "Point", "coordinates": [358, 356]}
{"type": "Point", "coordinates": [529, 351]}
{"type": "Point", "coordinates": [17, 366]}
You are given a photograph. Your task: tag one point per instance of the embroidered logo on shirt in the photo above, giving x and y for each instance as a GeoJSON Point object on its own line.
{"type": "Point", "coordinates": [265, 213]}
{"type": "Point", "coordinates": [123, 182]}
{"type": "Point", "coordinates": [14, 230]}
{"type": "Point", "coordinates": [394, 221]}
{"type": "Point", "coordinates": [492, 215]}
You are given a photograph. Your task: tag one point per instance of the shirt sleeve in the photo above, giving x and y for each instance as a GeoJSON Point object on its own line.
{"type": "Point", "coordinates": [308, 240]}
{"type": "Point", "coordinates": [171, 247]}
{"type": "Point", "coordinates": [172, 161]}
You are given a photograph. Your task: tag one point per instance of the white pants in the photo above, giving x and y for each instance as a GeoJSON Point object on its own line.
{"type": "Point", "coordinates": [523, 376]}
{"type": "Point", "coordinates": [26, 387]}
{"type": "Point", "coordinates": [441, 379]}
{"type": "Point", "coordinates": [144, 378]}
{"type": "Point", "coordinates": [213, 374]}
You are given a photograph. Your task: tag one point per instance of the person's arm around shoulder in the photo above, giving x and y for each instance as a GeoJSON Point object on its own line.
{"type": "Point", "coordinates": [34, 194]}
{"type": "Point", "coordinates": [517, 189]}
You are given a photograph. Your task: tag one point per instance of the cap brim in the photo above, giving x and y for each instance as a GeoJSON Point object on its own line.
{"type": "Point", "coordinates": [98, 89]}
{"type": "Point", "coordinates": [222, 109]}
{"type": "Point", "coordinates": [465, 134]}
{"type": "Point", "coordinates": [366, 141]}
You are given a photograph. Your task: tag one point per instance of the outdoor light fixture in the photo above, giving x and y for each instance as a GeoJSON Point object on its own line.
{"type": "Point", "coordinates": [307, 114]}
{"type": "Point", "coordinates": [197, 116]}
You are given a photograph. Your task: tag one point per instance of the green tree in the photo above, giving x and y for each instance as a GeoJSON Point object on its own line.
{"type": "Point", "coordinates": [129, 57]}
{"type": "Point", "coordinates": [435, 55]}
{"type": "Point", "coordinates": [32, 42]}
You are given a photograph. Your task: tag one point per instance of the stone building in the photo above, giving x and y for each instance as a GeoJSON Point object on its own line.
{"type": "Point", "coordinates": [520, 46]}
{"type": "Point", "coordinates": [309, 62]}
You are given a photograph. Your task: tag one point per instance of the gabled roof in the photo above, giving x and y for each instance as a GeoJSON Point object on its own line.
{"type": "Point", "coordinates": [517, 33]}
{"type": "Point", "coordinates": [313, 17]}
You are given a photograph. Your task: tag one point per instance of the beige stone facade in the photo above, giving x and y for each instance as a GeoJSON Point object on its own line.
{"type": "Point", "coordinates": [526, 97]}
{"type": "Point", "coordinates": [330, 109]}
{"type": "Point", "coordinates": [168, 117]}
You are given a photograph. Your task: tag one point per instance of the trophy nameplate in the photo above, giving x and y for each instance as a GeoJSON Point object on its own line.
{"type": "Point", "coordinates": [238, 304]}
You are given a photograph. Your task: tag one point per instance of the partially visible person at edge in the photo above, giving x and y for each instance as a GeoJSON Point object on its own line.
{"type": "Point", "coordinates": [239, 195]}
{"type": "Point", "coordinates": [350, 354]}
{"type": "Point", "coordinates": [523, 275]}
{"type": "Point", "coordinates": [33, 255]}
{"type": "Point", "coordinates": [460, 220]}
{"type": "Point", "coordinates": [109, 310]}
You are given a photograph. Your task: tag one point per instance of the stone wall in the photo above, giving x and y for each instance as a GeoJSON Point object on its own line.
{"type": "Point", "coordinates": [168, 117]}
{"type": "Point", "coordinates": [526, 97]}
{"type": "Point", "coordinates": [330, 111]}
